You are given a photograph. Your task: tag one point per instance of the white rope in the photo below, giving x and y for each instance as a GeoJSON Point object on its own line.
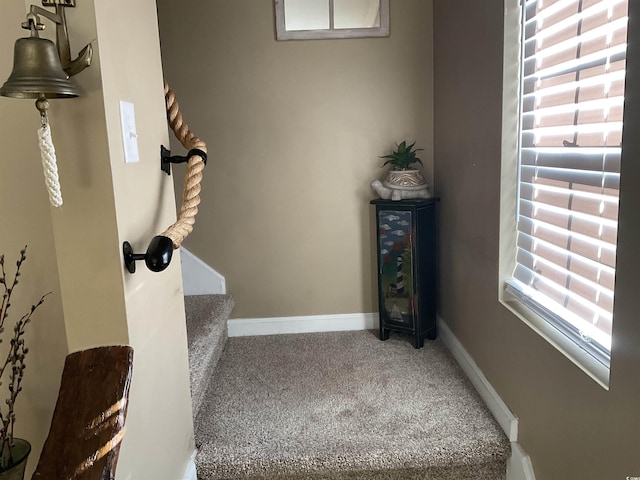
{"type": "Point", "coordinates": [48, 154]}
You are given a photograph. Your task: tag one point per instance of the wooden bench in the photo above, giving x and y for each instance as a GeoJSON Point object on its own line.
{"type": "Point", "coordinates": [88, 421]}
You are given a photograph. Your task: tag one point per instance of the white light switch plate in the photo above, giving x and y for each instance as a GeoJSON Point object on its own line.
{"type": "Point", "coordinates": [129, 132]}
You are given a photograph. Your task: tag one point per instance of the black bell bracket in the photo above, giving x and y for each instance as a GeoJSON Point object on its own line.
{"type": "Point", "coordinates": [156, 259]}
{"type": "Point", "coordinates": [166, 159]}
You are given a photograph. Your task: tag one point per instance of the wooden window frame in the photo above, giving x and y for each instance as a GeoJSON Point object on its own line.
{"type": "Point", "coordinates": [283, 34]}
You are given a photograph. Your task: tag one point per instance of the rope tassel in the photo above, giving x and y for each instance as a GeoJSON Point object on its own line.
{"type": "Point", "coordinates": [48, 154]}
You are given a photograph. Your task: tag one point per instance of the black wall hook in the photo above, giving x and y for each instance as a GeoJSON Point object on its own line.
{"type": "Point", "coordinates": [166, 159]}
{"type": "Point", "coordinates": [157, 258]}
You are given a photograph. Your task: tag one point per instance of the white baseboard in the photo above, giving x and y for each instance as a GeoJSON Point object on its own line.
{"type": "Point", "coordinates": [198, 278]}
{"type": "Point", "coordinates": [241, 327]}
{"type": "Point", "coordinates": [519, 466]}
{"type": "Point", "coordinates": [190, 472]}
{"type": "Point", "coordinates": [507, 420]}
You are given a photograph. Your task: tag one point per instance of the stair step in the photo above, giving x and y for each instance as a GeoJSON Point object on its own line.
{"type": "Point", "coordinates": [344, 405]}
{"type": "Point", "coordinates": [206, 317]}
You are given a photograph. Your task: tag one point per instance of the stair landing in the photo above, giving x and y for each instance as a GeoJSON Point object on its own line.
{"type": "Point", "coordinates": [344, 405]}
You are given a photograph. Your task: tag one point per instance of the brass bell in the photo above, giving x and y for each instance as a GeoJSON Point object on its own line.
{"type": "Point", "coordinates": [37, 72]}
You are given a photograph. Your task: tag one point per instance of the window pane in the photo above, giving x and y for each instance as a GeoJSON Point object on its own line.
{"type": "Point", "coordinates": [356, 13]}
{"type": "Point", "coordinates": [570, 139]}
{"type": "Point", "coordinates": [306, 14]}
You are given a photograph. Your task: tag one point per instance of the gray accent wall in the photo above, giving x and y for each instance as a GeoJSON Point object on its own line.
{"type": "Point", "coordinates": [570, 426]}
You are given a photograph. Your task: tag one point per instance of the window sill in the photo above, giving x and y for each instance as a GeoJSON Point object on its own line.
{"type": "Point", "coordinates": [583, 360]}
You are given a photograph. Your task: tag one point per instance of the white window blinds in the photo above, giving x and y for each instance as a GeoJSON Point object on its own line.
{"type": "Point", "coordinates": [572, 93]}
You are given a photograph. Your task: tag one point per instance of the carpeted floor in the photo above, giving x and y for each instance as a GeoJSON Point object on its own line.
{"type": "Point", "coordinates": [344, 405]}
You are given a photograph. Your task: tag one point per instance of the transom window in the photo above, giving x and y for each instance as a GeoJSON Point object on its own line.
{"type": "Point", "coordinates": [570, 141]}
{"type": "Point", "coordinates": [323, 19]}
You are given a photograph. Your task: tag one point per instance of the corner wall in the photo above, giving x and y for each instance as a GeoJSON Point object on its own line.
{"type": "Point", "coordinates": [77, 248]}
{"type": "Point", "coordinates": [25, 219]}
{"type": "Point", "coordinates": [570, 426]}
{"type": "Point", "coordinates": [159, 440]}
{"type": "Point", "coordinates": [294, 131]}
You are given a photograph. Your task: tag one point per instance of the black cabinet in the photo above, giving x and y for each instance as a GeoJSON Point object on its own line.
{"type": "Point", "coordinates": [406, 251]}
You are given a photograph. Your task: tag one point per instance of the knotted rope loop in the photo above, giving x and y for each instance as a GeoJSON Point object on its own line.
{"type": "Point", "coordinates": [191, 187]}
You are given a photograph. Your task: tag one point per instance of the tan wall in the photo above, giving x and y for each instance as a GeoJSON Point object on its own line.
{"type": "Point", "coordinates": [159, 437]}
{"type": "Point", "coordinates": [571, 426]}
{"type": "Point", "coordinates": [25, 220]}
{"type": "Point", "coordinates": [105, 203]}
{"type": "Point", "coordinates": [294, 132]}
{"type": "Point", "coordinates": [85, 228]}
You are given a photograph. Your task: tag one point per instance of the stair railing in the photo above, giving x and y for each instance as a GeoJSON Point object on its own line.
{"type": "Point", "coordinates": [160, 250]}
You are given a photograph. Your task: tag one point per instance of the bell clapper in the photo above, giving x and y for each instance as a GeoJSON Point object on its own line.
{"type": "Point", "coordinates": [42, 104]}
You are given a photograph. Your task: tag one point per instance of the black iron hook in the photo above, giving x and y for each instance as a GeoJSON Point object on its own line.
{"type": "Point", "coordinates": [157, 258]}
{"type": "Point", "coordinates": [166, 159]}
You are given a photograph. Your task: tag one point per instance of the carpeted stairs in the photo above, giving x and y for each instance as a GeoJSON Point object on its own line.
{"type": "Point", "coordinates": [206, 337]}
{"type": "Point", "coordinates": [343, 405]}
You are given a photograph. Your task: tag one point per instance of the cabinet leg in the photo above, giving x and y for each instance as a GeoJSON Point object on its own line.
{"type": "Point", "coordinates": [432, 334]}
{"type": "Point", "coordinates": [384, 334]}
{"type": "Point", "coordinates": [418, 342]}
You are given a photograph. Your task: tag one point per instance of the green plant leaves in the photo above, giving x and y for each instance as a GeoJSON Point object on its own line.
{"type": "Point", "coordinates": [403, 157]}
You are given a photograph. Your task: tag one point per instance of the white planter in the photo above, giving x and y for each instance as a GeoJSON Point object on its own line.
{"type": "Point", "coordinates": [402, 184]}
{"type": "Point", "coordinates": [405, 180]}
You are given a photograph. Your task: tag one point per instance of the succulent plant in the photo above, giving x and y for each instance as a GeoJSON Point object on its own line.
{"type": "Point", "coordinates": [403, 157]}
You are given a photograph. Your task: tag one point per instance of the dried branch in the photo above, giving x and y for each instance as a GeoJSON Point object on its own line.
{"type": "Point", "coordinates": [15, 358]}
